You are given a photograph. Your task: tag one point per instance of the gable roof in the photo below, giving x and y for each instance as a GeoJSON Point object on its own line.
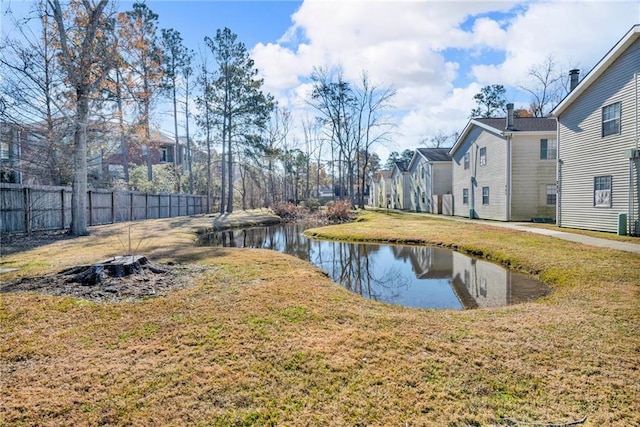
{"type": "Point", "coordinates": [521, 124]}
{"type": "Point", "coordinates": [498, 126]}
{"type": "Point", "coordinates": [435, 154]}
{"type": "Point", "coordinates": [430, 154]}
{"type": "Point", "coordinates": [616, 51]}
{"type": "Point", "coordinates": [399, 167]}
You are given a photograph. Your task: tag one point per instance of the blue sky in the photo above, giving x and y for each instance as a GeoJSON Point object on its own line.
{"type": "Point", "coordinates": [437, 54]}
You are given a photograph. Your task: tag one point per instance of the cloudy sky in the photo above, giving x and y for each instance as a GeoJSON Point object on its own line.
{"type": "Point", "coordinates": [436, 54]}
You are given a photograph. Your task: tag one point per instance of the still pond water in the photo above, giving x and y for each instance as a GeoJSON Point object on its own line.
{"type": "Point", "coordinates": [411, 276]}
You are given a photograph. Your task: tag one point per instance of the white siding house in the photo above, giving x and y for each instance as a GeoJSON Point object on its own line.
{"type": "Point", "coordinates": [400, 187]}
{"type": "Point", "coordinates": [599, 159]}
{"type": "Point", "coordinates": [430, 174]}
{"type": "Point", "coordinates": [505, 169]}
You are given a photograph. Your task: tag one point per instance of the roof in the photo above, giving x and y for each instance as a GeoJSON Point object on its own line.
{"type": "Point", "coordinates": [522, 124]}
{"type": "Point", "coordinates": [498, 126]}
{"type": "Point", "coordinates": [435, 154]}
{"type": "Point", "coordinates": [627, 40]}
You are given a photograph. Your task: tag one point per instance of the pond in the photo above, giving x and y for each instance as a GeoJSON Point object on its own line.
{"type": "Point", "coordinates": [411, 276]}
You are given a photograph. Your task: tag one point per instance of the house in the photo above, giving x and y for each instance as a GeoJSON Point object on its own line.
{"type": "Point", "coordinates": [505, 168]}
{"type": "Point", "coordinates": [400, 186]}
{"type": "Point", "coordinates": [10, 144]}
{"type": "Point", "coordinates": [381, 189]}
{"type": "Point", "coordinates": [599, 156]}
{"type": "Point", "coordinates": [430, 176]}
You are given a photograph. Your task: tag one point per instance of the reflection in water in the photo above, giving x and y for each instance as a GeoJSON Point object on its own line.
{"type": "Point", "coordinates": [412, 276]}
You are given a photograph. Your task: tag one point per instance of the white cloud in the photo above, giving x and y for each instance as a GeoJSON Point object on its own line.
{"type": "Point", "coordinates": [408, 45]}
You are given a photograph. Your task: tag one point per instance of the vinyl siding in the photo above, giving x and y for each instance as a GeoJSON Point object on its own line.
{"type": "Point", "coordinates": [441, 183]}
{"type": "Point", "coordinates": [491, 175]}
{"type": "Point", "coordinates": [530, 177]}
{"type": "Point", "coordinates": [584, 153]}
{"type": "Point", "coordinates": [420, 186]}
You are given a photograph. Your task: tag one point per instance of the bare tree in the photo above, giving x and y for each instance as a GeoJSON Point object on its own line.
{"type": "Point", "coordinates": [440, 139]}
{"type": "Point", "coordinates": [34, 92]}
{"type": "Point", "coordinates": [85, 49]}
{"type": "Point", "coordinates": [374, 125]}
{"type": "Point", "coordinates": [546, 88]}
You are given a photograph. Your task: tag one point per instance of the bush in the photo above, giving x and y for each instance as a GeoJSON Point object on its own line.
{"type": "Point", "coordinates": [312, 204]}
{"type": "Point", "coordinates": [339, 211]}
{"type": "Point", "coordinates": [285, 210]}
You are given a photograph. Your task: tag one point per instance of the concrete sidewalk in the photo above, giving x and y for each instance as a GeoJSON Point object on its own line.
{"type": "Point", "coordinates": [565, 235]}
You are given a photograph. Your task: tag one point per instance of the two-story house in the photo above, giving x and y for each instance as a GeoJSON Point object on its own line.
{"type": "Point", "coordinates": [505, 168]}
{"type": "Point", "coordinates": [430, 174]}
{"type": "Point", "coordinates": [400, 186]}
{"type": "Point", "coordinates": [598, 143]}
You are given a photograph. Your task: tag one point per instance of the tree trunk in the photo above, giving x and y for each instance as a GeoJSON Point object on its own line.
{"type": "Point", "coordinates": [79, 187]}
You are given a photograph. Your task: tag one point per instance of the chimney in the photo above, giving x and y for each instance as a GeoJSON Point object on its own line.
{"type": "Point", "coordinates": [509, 116]}
{"type": "Point", "coordinates": [574, 75]}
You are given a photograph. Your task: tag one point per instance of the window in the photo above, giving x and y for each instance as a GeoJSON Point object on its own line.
{"type": "Point", "coordinates": [551, 194]}
{"type": "Point", "coordinates": [4, 150]}
{"type": "Point", "coordinates": [466, 160]}
{"type": "Point", "coordinates": [465, 196]}
{"type": "Point", "coordinates": [485, 195]}
{"type": "Point", "coordinates": [548, 149]}
{"type": "Point", "coordinates": [602, 191]}
{"type": "Point", "coordinates": [611, 119]}
{"type": "Point", "coordinates": [483, 156]}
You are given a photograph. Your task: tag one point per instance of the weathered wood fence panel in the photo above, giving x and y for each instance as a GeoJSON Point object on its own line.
{"type": "Point", "coordinates": [24, 209]}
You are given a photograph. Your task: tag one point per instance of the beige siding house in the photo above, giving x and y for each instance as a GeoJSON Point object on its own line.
{"type": "Point", "coordinates": [381, 190]}
{"type": "Point", "coordinates": [430, 176]}
{"type": "Point", "coordinates": [400, 187]}
{"type": "Point", "coordinates": [599, 158]}
{"type": "Point", "coordinates": [505, 169]}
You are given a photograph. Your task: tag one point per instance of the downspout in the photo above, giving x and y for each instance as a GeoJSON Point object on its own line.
{"type": "Point", "coordinates": [633, 161]}
{"type": "Point", "coordinates": [508, 174]}
{"type": "Point", "coordinates": [558, 176]}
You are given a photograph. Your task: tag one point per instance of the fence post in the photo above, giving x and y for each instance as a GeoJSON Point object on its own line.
{"type": "Point", "coordinates": [63, 213]}
{"type": "Point", "coordinates": [113, 206]}
{"type": "Point", "coordinates": [131, 206]}
{"type": "Point", "coordinates": [89, 193]}
{"type": "Point", "coordinates": [146, 205]}
{"type": "Point", "coordinates": [27, 211]}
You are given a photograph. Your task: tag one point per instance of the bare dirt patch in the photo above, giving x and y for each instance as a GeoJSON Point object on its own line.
{"type": "Point", "coordinates": [146, 284]}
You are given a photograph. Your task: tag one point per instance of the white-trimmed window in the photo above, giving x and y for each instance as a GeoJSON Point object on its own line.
{"type": "Point", "coordinates": [551, 194]}
{"type": "Point", "coordinates": [465, 196]}
{"type": "Point", "coordinates": [466, 160]}
{"type": "Point", "coordinates": [611, 119]}
{"type": "Point", "coordinates": [483, 156]}
{"type": "Point", "coordinates": [602, 191]}
{"type": "Point", "coordinates": [485, 195]}
{"type": "Point", "coordinates": [548, 149]}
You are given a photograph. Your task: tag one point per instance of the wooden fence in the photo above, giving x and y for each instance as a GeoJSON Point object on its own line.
{"type": "Point", "coordinates": [24, 209]}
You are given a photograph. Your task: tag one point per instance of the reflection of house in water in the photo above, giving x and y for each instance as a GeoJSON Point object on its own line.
{"type": "Point", "coordinates": [427, 263]}
{"type": "Point", "coordinates": [481, 284]}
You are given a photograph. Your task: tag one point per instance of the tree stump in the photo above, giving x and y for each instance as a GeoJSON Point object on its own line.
{"type": "Point", "coordinates": [121, 266]}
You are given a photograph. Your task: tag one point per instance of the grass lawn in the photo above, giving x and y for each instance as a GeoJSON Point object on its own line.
{"type": "Point", "coordinates": [261, 338]}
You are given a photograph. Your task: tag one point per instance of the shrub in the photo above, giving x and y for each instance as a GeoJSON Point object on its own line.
{"type": "Point", "coordinates": [312, 204]}
{"type": "Point", "coordinates": [339, 211]}
{"type": "Point", "coordinates": [285, 210]}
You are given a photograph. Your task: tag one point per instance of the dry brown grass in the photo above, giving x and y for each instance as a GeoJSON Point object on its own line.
{"type": "Point", "coordinates": [263, 339]}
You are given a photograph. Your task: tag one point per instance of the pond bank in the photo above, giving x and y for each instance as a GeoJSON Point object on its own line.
{"type": "Point", "coordinates": [261, 338]}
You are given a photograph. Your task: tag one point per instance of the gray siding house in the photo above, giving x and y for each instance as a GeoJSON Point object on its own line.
{"type": "Point", "coordinates": [599, 158]}
{"type": "Point", "coordinates": [505, 168]}
{"type": "Point", "coordinates": [430, 175]}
